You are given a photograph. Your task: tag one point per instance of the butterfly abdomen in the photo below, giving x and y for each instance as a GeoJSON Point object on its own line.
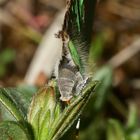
{"type": "Point", "coordinates": [66, 82]}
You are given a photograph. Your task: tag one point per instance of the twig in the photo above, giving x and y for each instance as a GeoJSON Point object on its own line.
{"type": "Point", "coordinates": [125, 54]}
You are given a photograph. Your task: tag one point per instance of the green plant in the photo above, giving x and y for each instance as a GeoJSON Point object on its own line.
{"type": "Point", "coordinates": [42, 116]}
{"type": "Point", "coordinates": [45, 118]}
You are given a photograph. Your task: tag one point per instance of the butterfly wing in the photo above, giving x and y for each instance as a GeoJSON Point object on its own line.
{"type": "Point", "coordinates": [75, 46]}
{"type": "Point", "coordinates": [78, 27]}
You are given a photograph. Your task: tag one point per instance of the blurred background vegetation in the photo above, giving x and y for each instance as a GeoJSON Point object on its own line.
{"type": "Point", "coordinates": [113, 114]}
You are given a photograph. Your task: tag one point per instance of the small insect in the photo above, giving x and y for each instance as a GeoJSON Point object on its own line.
{"type": "Point", "coordinates": [70, 79]}
{"type": "Point", "coordinates": [70, 84]}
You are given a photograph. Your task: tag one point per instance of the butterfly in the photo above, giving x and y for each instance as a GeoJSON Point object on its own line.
{"type": "Point", "coordinates": [73, 72]}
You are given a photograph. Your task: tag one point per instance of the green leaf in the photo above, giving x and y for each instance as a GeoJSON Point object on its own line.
{"type": "Point", "coordinates": [5, 114]}
{"type": "Point", "coordinates": [26, 92]}
{"type": "Point", "coordinates": [132, 118]}
{"type": "Point", "coordinates": [135, 135]}
{"type": "Point", "coordinates": [104, 75]}
{"type": "Point", "coordinates": [72, 112]}
{"type": "Point", "coordinates": [12, 131]}
{"type": "Point", "coordinates": [15, 101]}
{"type": "Point", "coordinates": [96, 48]}
{"type": "Point", "coordinates": [11, 104]}
{"type": "Point", "coordinates": [48, 120]}
{"type": "Point", "coordinates": [43, 112]}
{"type": "Point", "coordinates": [75, 56]}
{"type": "Point", "coordinates": [115, 130]}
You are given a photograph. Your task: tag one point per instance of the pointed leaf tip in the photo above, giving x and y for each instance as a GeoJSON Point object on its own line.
{"type": "Point", "coordinates": [43, 111]}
